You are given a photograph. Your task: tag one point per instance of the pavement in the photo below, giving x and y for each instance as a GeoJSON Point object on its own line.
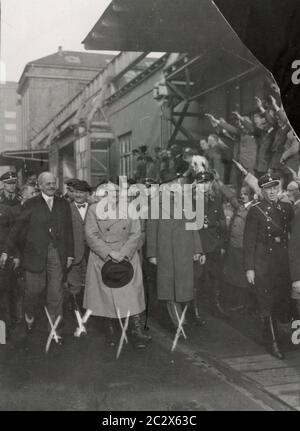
{"type": "Point", "coordinates": [221, 366]}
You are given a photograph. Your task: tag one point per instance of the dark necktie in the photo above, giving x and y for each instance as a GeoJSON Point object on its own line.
{"type": "Point", "coordinates": [81, 206]}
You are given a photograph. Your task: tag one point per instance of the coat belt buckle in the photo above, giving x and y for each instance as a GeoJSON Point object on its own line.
{"type": "Point", "coordinates": [277, 239]}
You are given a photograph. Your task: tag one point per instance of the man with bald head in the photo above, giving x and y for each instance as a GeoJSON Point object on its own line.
{"type": "Point", "coordinates": [45, 228]}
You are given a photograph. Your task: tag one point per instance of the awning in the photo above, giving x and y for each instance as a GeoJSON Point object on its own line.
{"type": "Point", "coordinates": [20, 156]}
{"type": "Point", "coordinates": [268, 28]}
{"type": "Point", "coordinates": [159, 26]}
{"type": "Point", "coordinates": [271, 30]}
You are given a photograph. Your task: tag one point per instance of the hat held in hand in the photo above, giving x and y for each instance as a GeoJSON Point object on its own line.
{"type": "Point", "coordinates": [117, 274]}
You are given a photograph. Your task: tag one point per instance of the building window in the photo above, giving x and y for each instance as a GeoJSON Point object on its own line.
{"type": "Point", "coordinates": [126, 155]}
{"type": "Point", "coordinates": [10, 126]}
{"type": "Point", "coordinates": [10, 139]}
{"type": "Point", "coordinates": [99, 161]}
{"type": "Point", "coordinates": [10, 114]}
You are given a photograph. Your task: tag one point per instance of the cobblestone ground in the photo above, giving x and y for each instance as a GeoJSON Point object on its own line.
{"type": "Point", "coordinates": [84, 374]}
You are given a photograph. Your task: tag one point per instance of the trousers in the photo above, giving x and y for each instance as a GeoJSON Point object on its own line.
{"type": "Point", "coordinates": [50, 279]}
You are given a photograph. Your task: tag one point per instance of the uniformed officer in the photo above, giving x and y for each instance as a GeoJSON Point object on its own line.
{"type": "Point", "coordinates": [213, 236]}
{"type": "Point", "coordinates": [10, 196]}
{"type": "Point", "coordinates": [12, 199]}
{"type": "Point", "coordinates": [266, 256]}
{"type": "Point", "coordinates": [6, 221]}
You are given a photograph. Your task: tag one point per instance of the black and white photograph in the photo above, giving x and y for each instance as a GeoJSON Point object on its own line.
{"type": "Point", "coordinates": [149, 208]}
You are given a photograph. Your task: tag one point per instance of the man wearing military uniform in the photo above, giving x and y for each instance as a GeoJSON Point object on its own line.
{"type": "Point", "coordinates": [77, 271]}
{"type": "Point", "coordinates": [213, 236]}
{"type": "Point", "coordinates": [266, 256]}
{"type": "Point", "coordinates": [6, 221]}
{"type": "Point", "coordinates": [10, 198]}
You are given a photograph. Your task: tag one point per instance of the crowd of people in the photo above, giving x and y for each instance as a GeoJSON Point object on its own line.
{"type": "Point", "coordinates": [57, 249]}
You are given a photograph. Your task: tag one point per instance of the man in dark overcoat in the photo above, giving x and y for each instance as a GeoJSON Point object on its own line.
{"type": "Point", "coordinates": [266, 256]}
{"type": "Point", "coordinates": [173, 249]}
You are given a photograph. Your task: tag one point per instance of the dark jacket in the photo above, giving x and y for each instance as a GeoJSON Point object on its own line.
{"type": "Point", "coordinates": [266, 252]}
{"type": "Point", "coordinates": [80, 244]}
{"type": "Point", "coordinates": [6, 223]}
{"type": "Point", "coordinates": [265, 223]}
{"type": "Point", "coordinates": [15, 202]}
{"type": "Point", "coordinates": [294, 247]}
{"type": "Point", "coordinates": [213, 233]}
{"type": "Point", "coordinates": [37, 226]}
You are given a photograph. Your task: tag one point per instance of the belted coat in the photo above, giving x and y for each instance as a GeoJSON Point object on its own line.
{"type": "Point", "coordinates": [174, 247]}
{"type": "Point", "coordinates": [266, 252]}
{"type": "Point", "coordinates": [104, 236]}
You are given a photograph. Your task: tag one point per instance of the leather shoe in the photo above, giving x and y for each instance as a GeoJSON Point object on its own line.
{"type": "Point", "coordinates": [198, 321]}
{"type": "Point", "coordinates": [29, 324]}
{"type": "Point", "coordinates": [276, 352]}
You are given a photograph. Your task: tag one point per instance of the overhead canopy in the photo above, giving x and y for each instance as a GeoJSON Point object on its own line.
{"type": "Point", "coordinates": [159, 26]}
{"type": "Point", "coordinates": [20, 156]}
{"type": "Point", "coordinates": [269, 28]}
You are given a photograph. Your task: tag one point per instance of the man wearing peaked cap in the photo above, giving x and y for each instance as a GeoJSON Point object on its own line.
{"type": "Point", "coordinates": [269, 180]}
{"type": "Point", "coordinates": [268, 224]}
{"type": "Point", "coordinates": [11, 199]}
{"type": "Point", "coordinates": [9, 176]}
{"type": "Point", "coordinates": [9, 196]}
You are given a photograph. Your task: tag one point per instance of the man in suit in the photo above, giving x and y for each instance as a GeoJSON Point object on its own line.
{"type": "Point", "coordinates": [268, 224]}
{"type": "Point", "coordinates": [27, 191]}
{"type": "Point", "coordinates": [45, 227]}
{"type": "Point", "coordinates": [79, 207]}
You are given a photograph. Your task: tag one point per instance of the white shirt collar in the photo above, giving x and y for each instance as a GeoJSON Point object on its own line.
{"type": "Point", "coordinates": [47, 197]}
